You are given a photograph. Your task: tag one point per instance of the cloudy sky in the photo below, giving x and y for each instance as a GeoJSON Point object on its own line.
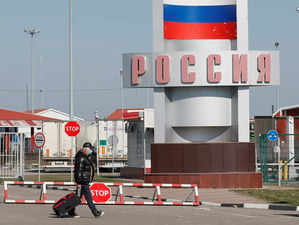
{"type": "Point", "coordinates": [102, 31]}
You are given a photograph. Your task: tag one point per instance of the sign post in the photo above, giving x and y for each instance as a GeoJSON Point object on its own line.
{"type": "Point", "coordinates": [272, 136]}
{"type": "Point", "coordinates": [72, 129]}
{"type": "Point", "coordinates": [39, 142]}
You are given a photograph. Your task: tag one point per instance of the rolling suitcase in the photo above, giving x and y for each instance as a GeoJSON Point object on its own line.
{"type": "Point", "coordinates": [66, 204]}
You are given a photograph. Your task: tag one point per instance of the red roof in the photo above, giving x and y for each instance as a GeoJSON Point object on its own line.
{"type": "Point", "coordinates": [13, 115]}
{"type": "Point", "coordinates": [10, 118]}
{"type": "Point", "coordinates": [36, 110]}
{"type": "Point", "coordinates": [128, 114]}
{"type": "Point", "coordinates": [292, 110]}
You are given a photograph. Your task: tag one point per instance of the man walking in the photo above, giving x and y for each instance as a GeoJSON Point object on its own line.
{"type": "Point", "coordinates": [84, 174]}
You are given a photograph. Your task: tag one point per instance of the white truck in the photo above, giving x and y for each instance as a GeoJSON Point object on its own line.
{"type": "Point", "coordinates": [112, 140]}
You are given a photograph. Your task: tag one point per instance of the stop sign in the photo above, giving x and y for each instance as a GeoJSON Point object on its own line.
{"type": "Point", "coordinates": [72, 128]}
{"type": "Point", "coordinates": [100, 193]}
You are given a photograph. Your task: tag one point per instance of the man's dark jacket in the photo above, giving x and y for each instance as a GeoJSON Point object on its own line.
{"type": "Point", "coordinates": [84, 170]}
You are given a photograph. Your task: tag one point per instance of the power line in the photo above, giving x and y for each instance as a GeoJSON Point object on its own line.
{"type": "Point", "coordinates": [62, 90]}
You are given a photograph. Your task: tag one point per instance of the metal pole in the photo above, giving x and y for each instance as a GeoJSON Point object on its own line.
{"type": "Point", "coordinates": [32, 75]}
{"type": "Point", "coordinates": [98, 150]}
{"type": "Point", "coordinates": [113, 146]}
{"type": "Point", "coordinates": [277, 149]}
{"type": "Point", "coordinates": [71, 80]}
{"type": "Point", "coordinates": [39, 149]}
{"type": "Point", "coordinates": [122, 109]}
{"type": "Point", "coordinates": [70, 59]}
{"type": "Point", "coordinates": [276, 44]}
{"type": "Point", "coordinates": [97, 139]}
{"type": "Point", "coordinates": [32, 33]}
{"type": "Point", "coordinates": [279, 181]}
{"type": "Point", "coordinates": [27, 98]}
{"type": "Point", "coordinates": [22, 154]}
{"type": "Point", "coordinates": [144, 145]}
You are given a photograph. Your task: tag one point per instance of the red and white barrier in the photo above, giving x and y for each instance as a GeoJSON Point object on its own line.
{"type": "Point", "coordinates": [119, 199]}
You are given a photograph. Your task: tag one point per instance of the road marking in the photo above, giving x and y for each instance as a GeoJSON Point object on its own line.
{"type": "Point", "coordinates": [204, 209]}
{"type": "Point", "coordinates": [256, 206]}
{"type": "Point", "coordinates": [241, 215]}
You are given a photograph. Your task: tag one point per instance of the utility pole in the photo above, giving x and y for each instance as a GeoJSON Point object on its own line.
{"type": "Point", "coordinates": [32, 33]}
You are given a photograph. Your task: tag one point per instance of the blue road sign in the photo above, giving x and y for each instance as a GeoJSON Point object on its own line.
{"type": "Point", "coordinates": [272, 135]}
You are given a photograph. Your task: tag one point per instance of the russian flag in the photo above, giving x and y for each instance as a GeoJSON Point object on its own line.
{"type": "Point", "coordinates": [200, 19]}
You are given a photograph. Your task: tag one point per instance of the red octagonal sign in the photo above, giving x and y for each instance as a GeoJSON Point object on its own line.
{"type": "Point", "coordinates": [72, 128]}
{"type": "Point", "coordinates": [100, 193]}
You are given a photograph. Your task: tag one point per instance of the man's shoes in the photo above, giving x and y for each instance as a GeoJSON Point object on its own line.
{"type": "Point", "coordinates": [99, 214]}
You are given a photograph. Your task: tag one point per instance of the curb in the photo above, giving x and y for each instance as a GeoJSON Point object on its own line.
{"type": "Point", "coordinates": [253, 206]}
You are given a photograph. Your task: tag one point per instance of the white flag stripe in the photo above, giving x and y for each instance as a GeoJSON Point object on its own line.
{"type": "Point", "coordinates": [200, 2]}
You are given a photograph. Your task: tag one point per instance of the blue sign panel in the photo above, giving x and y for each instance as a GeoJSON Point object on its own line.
{"type": "Point", "coordinates": [272, 135]}
{"type": "Point", "coordinates": [15, 138]}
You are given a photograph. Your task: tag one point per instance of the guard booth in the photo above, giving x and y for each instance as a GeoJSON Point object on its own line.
{"type": "Point", "coordinates": [12, 154]}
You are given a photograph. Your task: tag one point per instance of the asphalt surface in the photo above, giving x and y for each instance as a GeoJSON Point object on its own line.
{"type": "Point", "coordinates": [147, 215]}
{"type": "Point", "coordinates": [16, 214]}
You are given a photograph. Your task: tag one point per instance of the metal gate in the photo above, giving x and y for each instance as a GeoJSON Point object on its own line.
{"type": "Point", "coordinates": [279, 160]}
{"type": "Point", "coordinates": [12, 155]}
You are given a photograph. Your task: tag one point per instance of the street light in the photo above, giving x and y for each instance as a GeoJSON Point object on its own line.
{"type": "Point", "coordinates": [32, 33]}
{"type": "Point", "coordinates": [97, 119]}
{"type": "Point", "coordinates": [276, 44]}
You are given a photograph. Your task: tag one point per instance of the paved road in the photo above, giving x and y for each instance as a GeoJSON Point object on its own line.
{"type": "Point", "coordinates": [148, 215]}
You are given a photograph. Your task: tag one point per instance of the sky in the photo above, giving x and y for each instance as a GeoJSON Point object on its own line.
{"type": "Point", "coordinates": [102, 31]}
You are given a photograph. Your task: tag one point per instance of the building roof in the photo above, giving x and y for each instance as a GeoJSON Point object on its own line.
{"type": "Point", "coordinates": [277, 113]}
{"type": "Point", "coordinates": [36, 110]}
{"type": "Point", "coordinates": [54, 113]}
{"type": "Point", "coordinates": [9, 118]}
{"type": "Point", "coordinates": [125, 114]}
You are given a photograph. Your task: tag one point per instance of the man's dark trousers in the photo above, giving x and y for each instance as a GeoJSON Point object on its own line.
{"type": "Point", "coordinates": [85, 191]}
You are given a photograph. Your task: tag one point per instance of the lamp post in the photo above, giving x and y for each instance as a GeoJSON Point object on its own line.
{"type": "Point", "coordinates": [97, 119]}
{"type": "Point", "coordinates": [276, 44]}
{"type": "Point", "coordinates": [32, 33]}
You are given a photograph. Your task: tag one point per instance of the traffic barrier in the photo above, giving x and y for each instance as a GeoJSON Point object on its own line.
{"type": "Point", "coordinates": [104, 195]}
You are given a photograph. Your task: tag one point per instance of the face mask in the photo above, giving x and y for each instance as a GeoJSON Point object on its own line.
{"type": "Point", "coordinates": [89, 153]}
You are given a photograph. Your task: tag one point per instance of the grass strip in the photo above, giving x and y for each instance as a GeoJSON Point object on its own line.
{"type": "Point", "coordinates": [286, 196]}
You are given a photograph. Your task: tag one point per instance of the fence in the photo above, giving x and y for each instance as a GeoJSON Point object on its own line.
{"type": "Point", "coordinates": [281, 155]}
{"type": "Point", "coordinates": [11, 155]}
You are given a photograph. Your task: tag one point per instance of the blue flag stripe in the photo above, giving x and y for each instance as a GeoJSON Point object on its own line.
{"type": "Point", "coordinates": [200, 14]}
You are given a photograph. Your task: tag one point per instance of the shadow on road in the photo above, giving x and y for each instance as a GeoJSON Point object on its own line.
{"type": "Point", "coordinates": [292, 215]}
